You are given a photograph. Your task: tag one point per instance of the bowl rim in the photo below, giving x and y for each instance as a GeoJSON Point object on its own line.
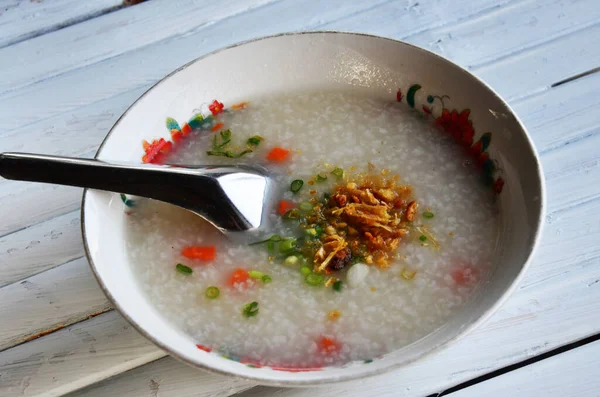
{"type": "Point", "coordinates": [537, 232]}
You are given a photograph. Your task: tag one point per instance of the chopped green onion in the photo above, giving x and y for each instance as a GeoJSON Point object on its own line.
{"type": "Point", "coordinates": [271, 247]}
{"type": "Point", "coordinates": [274, 238]}
{"type": "Point", "coordinates": [292, 214]}
{"type": "Point", "coordinates": [314, 279]}
{"type": "Point", "coordinates": [319, 230]}
{"type": "Point", "coordinates": [296, 185]}
{"type": "Point", "coordinates": [250, 310]}
{"type": "Point", "coordinates": [305, 271]}
{"type": "Point", "coordinates": [311, 232]}
{"type": "Point", "coordinates": [255, 274]}
{"type": "Point", "coordinates": [183, 269]}
{"type": "Point", "coordinates": [212, 292]}
{"type": "Point", "coordinates": [422, 237]}
{"type": "Point", "coordinates": [228, 153]}
{"type": "Point", "coordinates": [266, 279]}
{"type": "Point", "coordinates": [326, 197]}
{"type": "Point", "coordinates": [255, 140]}
{"type": "Point", "coordinates": [337, 286]}
{"type": "Point", "coordinates": [428, 215]}
{"type": "Point", "coordinates": [338, 172]}
{"type": "Point", "coordinates": [321, 178]}
{"type": "Point", "coordinates": [287, 245]}
{"type": "Point", "coordinates": [291, 260]}
{"type": "Point", "coordinates": [306, 206]}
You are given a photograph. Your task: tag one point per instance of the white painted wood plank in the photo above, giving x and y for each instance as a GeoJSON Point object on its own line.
{"type": "Point", "coordinates": [111, 35]}
{"type": "Point", "coordinates": [40, 247]}
{"type": "Point", "coordinates": [23, 19]}
{"type": "Point", "coordinates": [75, 357]}
{"type": "Point", "coordinates": [47, 301]}
{"type": "Point", "coordinates": [570, 374]}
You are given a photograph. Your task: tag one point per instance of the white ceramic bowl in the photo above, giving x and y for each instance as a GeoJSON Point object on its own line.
{"type": "Point", "coordinates": [324, 61]}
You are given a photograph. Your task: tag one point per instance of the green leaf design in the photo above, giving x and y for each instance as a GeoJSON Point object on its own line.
{"type": "Point", "coordinates": [196, 121]}
{"type": "Point", "coordinates": [172, 124]}
{"type": "Point", "coordinates": [410, 96]}
{"type": "Point", "coordinates": [485, 139]}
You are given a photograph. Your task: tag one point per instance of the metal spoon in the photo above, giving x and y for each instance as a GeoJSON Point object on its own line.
{"type": "Point", "coordinates": [232, 198]}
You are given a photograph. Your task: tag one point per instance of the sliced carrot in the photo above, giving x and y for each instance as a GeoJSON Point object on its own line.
{"type": "Point", "coordinates": [239, 276]}
{"type": "Point", "coordinates": [285, 206]}
{"type": "Point", "coordinates": [186, 129]}
{"type": "Point", "coordinates": [198, 252]}
{"type": "Point", "coordinates": [145, 145]}
{"type": "Point", "coordinates": [278, 154]}
{"type": "Point", "coordinates": [328, 345]}
{"type": "Point", "coordinates": [217, 127]}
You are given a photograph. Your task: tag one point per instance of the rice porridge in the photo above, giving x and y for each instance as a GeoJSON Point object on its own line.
{"type": "Point", "coordinates": [383, 230]}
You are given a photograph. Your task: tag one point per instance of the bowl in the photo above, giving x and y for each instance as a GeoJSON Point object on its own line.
{"type": "Point", "coordinates": [480, 119]}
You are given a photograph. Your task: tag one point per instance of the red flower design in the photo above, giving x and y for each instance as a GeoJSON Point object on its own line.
{"type": "Point", "coordinates": [399, 95]}
{"type": "Point", "coordinates": [458, 125]}
{"type": "Point", "coordinates": [216, 107]}
{"type": "Point", "coordinates": [498, 185]}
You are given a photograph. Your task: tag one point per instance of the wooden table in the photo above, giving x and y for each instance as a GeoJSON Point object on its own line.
{"type": "Point", "coordinates": [69, 68]}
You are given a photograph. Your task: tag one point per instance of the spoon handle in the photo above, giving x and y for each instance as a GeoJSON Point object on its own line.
{"type": "Point", "coordinates": [151, 181]}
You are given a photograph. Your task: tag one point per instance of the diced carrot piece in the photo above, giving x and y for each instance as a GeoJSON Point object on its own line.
{"type": "Point", "coordinates": [278, 154]}
{"type": "Point", "coordinates": [186, 129]}
{"type": "Point", "coordinates": [217, 127]}
{"type": "Point", "coordinates": [328, 345]}
{"type": "Point", "coordinates": [198, 252]}
{"type": "Point", "coordinates": [239, 276]}
{"type": "Point", "coordinates": [176, 135]}
{"type": "Point", "coordinates": [285, 206]}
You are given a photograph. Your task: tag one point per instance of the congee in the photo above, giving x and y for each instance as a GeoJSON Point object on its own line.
{"type": "Point", "coordinates": [381, 231]}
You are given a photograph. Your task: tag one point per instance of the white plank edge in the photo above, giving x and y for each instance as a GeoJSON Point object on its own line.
{"type": "Point", "coordinates": [569, 374]}
{"type": "Point", "coordinates": [109, 36]}
{"type": "Point", "coordinates": [21, 20]}
{"type": "Point", "coordinates": [40, 247]}
{"type": "Point", "coordinates": [48, 301]}
{"type": "Point", "coordinates": [569, 249]}
{"type": "Point", "coordinates": [74, 357]}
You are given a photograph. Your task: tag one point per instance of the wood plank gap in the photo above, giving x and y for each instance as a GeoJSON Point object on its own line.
{"type": "Point", "coordinates": [577, 76]}
{"type": "Point", "coordinates": [524, 363]}
{"type": "Point", "coordinates": [59, 26]}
